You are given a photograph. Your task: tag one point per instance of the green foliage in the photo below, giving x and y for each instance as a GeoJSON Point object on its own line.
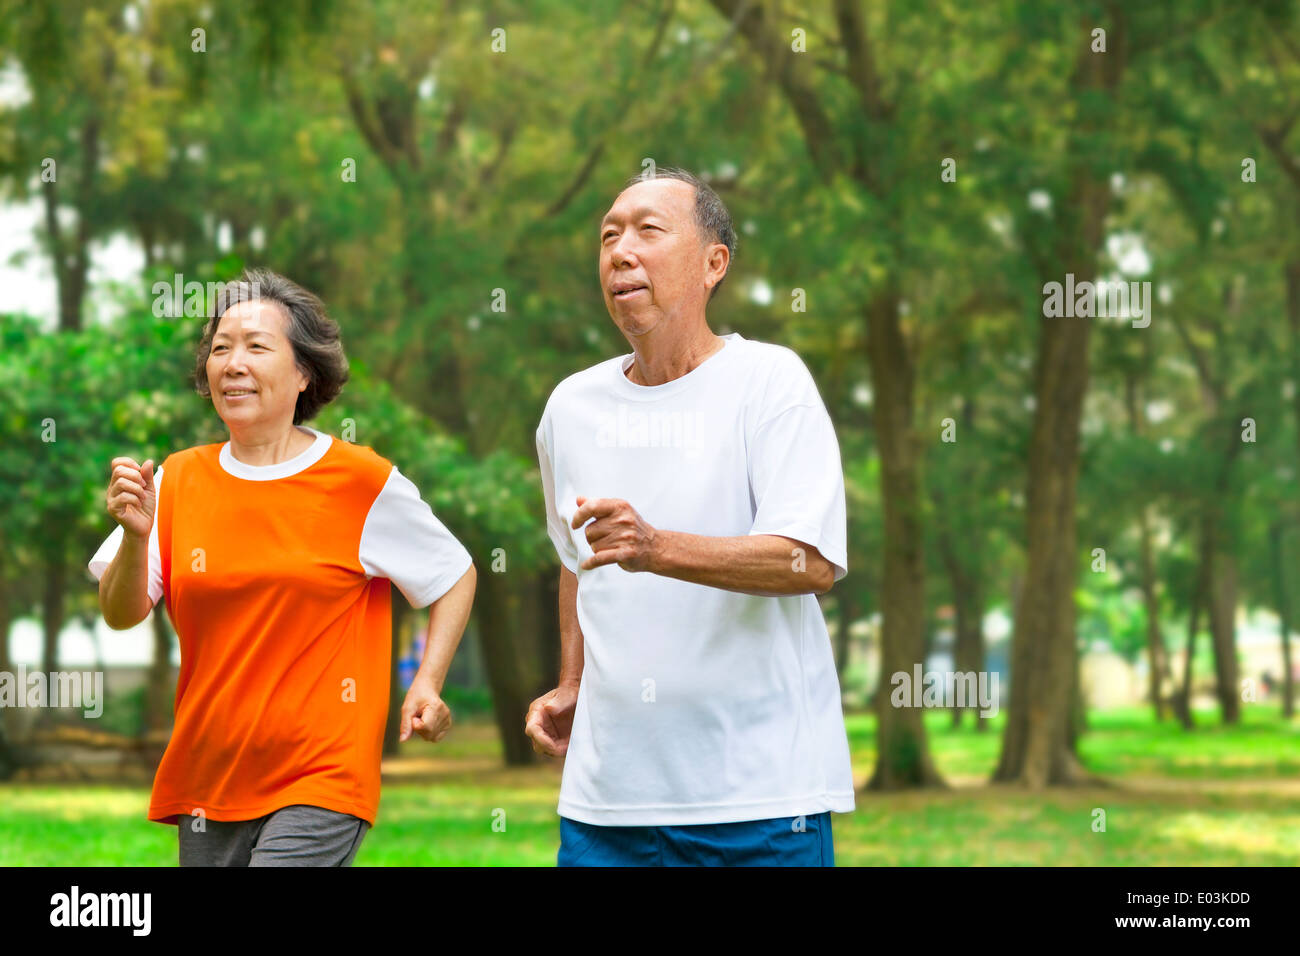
{"type": "Point", "coordinates": [478, 172]}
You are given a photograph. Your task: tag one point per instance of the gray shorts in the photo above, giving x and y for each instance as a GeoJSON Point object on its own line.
{"type": "Point", "coordinates": [292, 836]}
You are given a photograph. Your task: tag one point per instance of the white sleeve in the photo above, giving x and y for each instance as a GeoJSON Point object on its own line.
{"type": "Point", "coordinates": [403, 541]}
{"type": "Point", "coordinates": [108, 550]}
{"type": "Point", "coordinates": [797, 480]}
{"type": "Point", "coordinates": [556, 527]}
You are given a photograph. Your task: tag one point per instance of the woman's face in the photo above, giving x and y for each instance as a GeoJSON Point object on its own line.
{"type": "Point", "coordinates": [252, 374]}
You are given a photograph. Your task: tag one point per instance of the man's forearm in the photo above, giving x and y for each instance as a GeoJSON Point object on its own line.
{"type": "Point", "coordinates": [571, 658]}
{"type": "Point", "coordinates": [767, 565]}
{"type": "Point", "coordinates": [447, 619]}
{"type": "Point", "coordinates": [124, 587]}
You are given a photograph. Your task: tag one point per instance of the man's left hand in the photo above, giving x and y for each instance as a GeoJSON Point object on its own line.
{"type": "Point", "coordinates": [618, 535]}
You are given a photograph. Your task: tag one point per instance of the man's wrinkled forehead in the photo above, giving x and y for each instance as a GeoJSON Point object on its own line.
{"type": "Point", "coordinates": [664, 197]}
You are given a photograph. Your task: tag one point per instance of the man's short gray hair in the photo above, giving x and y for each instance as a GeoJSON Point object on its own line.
{"type": "Point", "coordinates": [314, 336]}
{"type": "Point", "coordinates": [711, 216]}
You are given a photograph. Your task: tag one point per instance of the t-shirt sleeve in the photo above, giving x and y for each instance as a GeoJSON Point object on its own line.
{"type": "Point", "coordinates": [795, 472]}
{"type": "Point", "coordinates": [403, 541]}
{"type": "Point", "coordinates": [556, 527]}
{"type": "Point", "coordinates": [108, 550]}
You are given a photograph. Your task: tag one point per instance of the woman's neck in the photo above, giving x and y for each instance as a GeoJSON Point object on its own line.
{"type": "Point", "coordinates": [260, 448]}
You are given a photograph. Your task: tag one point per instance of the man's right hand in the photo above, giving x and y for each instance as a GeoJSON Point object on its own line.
{"type": "Point", "coordinates": [132, 496]}
{"type": "Point", "coordinates": [550, 720]}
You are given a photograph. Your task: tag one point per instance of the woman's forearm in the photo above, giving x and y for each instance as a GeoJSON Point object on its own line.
{"type": "Point", "coordinates": [447, 619]}
{"type": "Point", "coordinates": [124, 587]}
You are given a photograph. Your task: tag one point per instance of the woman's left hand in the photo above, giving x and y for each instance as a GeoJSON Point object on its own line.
{"type": "Point", "coordinates": [424, 712]}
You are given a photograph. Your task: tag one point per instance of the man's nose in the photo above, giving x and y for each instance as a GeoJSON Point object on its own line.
{"type": "Point", "coordinates": [623, 250]}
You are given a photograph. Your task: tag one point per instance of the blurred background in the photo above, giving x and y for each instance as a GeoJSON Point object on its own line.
{"type": "Point", "coordinates": [1101, 511]}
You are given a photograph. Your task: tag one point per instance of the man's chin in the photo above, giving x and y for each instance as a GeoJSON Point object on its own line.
{"type": "Point", "coordinates": [634, 326]}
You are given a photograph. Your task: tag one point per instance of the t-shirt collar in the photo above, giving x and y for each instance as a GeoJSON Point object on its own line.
{"type": "Point", "coordinates": [301, 462]}
{"type": "Point", "coordinates": [649, 392]}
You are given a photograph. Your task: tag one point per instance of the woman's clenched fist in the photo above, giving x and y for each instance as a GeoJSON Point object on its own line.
{"type": "Point", "coordinates": [132, 497]}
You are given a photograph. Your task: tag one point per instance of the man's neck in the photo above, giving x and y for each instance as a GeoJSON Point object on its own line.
{"type": "Point", "coordinates": [658, 360]}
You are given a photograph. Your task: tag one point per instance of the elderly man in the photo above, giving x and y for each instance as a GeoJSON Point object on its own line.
{"type": "Point", "coordinates": [694, 494]}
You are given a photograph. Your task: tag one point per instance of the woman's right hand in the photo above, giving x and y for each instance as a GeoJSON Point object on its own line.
{"type": "Point", "coordinates": [132, 497]}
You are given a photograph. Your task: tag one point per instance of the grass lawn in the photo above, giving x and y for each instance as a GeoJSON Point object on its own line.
{"type": "Point", "coordinates": [1217, 796]}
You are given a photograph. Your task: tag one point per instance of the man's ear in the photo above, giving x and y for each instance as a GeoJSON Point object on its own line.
{"type": "Point", "coordinates": [718, 251]}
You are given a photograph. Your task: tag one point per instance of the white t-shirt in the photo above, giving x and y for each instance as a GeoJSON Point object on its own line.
{"type": "Point", "coordinates": [401, 540]}
{"type": "Point", "coordinates": [700, 705]}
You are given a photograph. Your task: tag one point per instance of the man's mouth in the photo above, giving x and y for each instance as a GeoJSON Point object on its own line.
{"type": "Point", "coordinates": [626, 292]}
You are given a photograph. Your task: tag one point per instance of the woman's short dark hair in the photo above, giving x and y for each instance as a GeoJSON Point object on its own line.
{"type": "Point", "coordinates": [317, 350]}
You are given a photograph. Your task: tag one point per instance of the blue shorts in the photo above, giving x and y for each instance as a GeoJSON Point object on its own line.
{"type": "Point", "coordinates": [782, 841]}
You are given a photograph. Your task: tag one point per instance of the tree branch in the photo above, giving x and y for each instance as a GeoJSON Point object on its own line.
{"type": "Point", "coordinates": [1275, 140]}
{"type": "Point", "coordinates": [818, 132]}
{"type": "Point", "coordinates": [862, 65]}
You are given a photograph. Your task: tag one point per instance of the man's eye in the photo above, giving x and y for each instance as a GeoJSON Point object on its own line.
{"type": "Point", "coordinates": [606, 237]}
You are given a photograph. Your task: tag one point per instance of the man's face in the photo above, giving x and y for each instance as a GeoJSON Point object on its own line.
{"type": "Point", "coordinates": [653, 262]}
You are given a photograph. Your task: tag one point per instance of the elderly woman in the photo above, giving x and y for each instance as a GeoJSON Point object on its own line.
{"type": "Point", "coordinates": [274, 551]}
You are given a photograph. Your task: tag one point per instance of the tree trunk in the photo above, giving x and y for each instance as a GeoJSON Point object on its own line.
{"type": "Point", "coordinates": [1223, 605]}
{"type": "Point", "coordinates": [52, 594]}
{"type": "Point", "coordinates": [71, 255]}
{"type": "Point", "coordinates": [1293, 319]}
{"type": "Point", "coordinates": [5, 613]}
{"type": "Point", "coordinates": [969, 651]}
{"type": "Point", "coordinates": [1283, 614]}
{"type": "Point", "coordinates": [968, 604]}
{"type": "Point", "coordinates": [505, 623]}
{"type": "Point", "coordinates": [396, 693]}
{"type": "Point", "coordinates": [847, 615]}
{"type": "Point", "coordinates": [1183, 700]}
{"type": "Point", "coordinates": [1036, 748]}
{"type": "Point", "coordinates": [548, 627]}
{"type": "Point", "coordinates": [903, 758]}
{"type": "Point", "coordinates": [6, 665]}
{"type": "Point", "coordinates": [1156, 653]}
